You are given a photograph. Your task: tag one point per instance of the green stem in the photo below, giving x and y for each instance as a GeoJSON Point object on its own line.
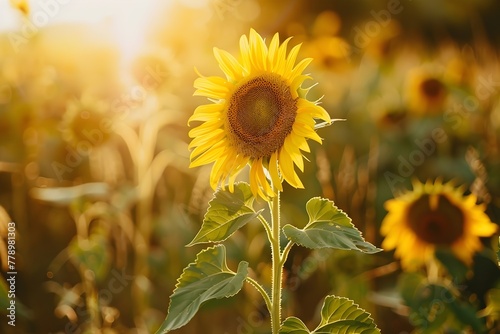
{"type": "Point", "coordinates": [286, 250]}
{"type": "Point", "coordinates": [265, 224]}
{"type": "Point", "coordinates": [277, 265]}
{"type": "Point", "coordinates": [261, 290]}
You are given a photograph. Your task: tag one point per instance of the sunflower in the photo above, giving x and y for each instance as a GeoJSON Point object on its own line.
{"type": "Point", "coordinates": [432, 216]}
{"type": "Point", "coordinates": [86, 123]}
{"type": "Point", "coordinates": [259, 116]}
{"type": "Point", "coordinates": [427, 91]}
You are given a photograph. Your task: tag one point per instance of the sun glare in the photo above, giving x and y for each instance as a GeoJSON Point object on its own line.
{"type": "Point", "coordinates": [125, 22]}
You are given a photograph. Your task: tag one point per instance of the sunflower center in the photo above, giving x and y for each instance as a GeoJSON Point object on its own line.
{"type": "Point", "coordinates": [432, 88]}
{"type": "Point", "coordinates": [260, 115]}
{"type": "Point", "coordinates": [440, 224]}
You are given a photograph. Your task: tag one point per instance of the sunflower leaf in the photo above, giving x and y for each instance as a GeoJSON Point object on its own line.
{"type": "Point", "coordinates": [428, 307]}
{"type": "Point", "coordinates": [328, 227]}
{"type": "Point", "coordinates": [341, 315]}
{"type": "Point", "coordinates": [227, 212]}
{"type": "Point", "coordinates": [456, 268]}
{"type": "Point", "coordinates": [206, 279]}
{"type": "Point", "coordinates": [293, 325]}
{"type": "Point", "coordinates": [464, 312]}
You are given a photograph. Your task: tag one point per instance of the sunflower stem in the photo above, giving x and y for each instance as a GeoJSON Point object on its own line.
{"type": "Point", "coordinates": [277, 265]}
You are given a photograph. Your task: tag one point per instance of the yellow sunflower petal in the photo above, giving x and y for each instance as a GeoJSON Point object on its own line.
{"type": "Point", "coordinates": [206, 112]}
{"type": "Point", "coordinates": [273, 171]}
{"type": "Point", "coordinates": [294, 152]}
{"type": "Point", "coordinates": [306, 131]}
{"type": "Point", "coordinates": [290, 61]}
{"type": "Point", "coordinates": [211, 87]}
{"type": "Point", "coordinates": [313, 110]}
{"type": "Point", "coordinates": [300, 67]}
{"type": "Point", "coordinates": [280, 62]}
{"type": "Point", "coordinates": [254, 180]}
{"type": "Point", "coordinates": [229, 65]}
{"type": "Point", "coordinates": [258, 50]}
{"type": "Point", "coordinates": [205, 128]}
{"type": "Point", "coordinates": [208, 145]}
{"type": "Point", "coordinates": [208, 156]}
{"type": "Point", "coordinates": [273, 51]}
{"type": "Point", "coordinates": [287, 168]}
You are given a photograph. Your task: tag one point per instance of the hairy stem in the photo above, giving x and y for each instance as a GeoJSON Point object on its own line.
{"type": "Point", "coordinates": [277, 265]}
{"type": "Point", "coordinates": [261, 290]}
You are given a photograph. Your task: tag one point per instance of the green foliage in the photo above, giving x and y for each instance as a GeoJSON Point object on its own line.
{"type": "Point", "coordinates": [434, 306]}
{"type": "Point", "coordinates": [328, 227]}
{"type": "Point", "coordinates": [456, 268]}
{"type": "Point", "coordinates": [205, 279]}
{"type": "Point", "coordinates": [227, 212]}
{"type": "Point", "coordinates": [338, 315]}
{"type": "Point", "coordinates": [293, 325]}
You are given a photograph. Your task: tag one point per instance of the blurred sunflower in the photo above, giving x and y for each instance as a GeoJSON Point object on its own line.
{"type": "Point", "coordinates": [331, 52]}
{"type": "Point", "coordinates": [327, 23]}
{"type": "Point", "coordinates": [434, 215]}
{"type": "Point", "coordinates": [86, 122]}
{"type": "Point", "coordinates": [260, 116]}
{"type": "Point", "coordinates": [383, 45]}
{"type": "Point", "coordinates": [387, 108]}
{"type": "Point", "coordinates": [426, 92]}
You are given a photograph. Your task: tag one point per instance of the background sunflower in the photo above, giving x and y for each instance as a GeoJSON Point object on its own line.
{"type": "Point", "coordinates": [432, 216]}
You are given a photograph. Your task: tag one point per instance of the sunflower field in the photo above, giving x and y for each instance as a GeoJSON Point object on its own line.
{"type": "Point", "coordinates": [249, 166]}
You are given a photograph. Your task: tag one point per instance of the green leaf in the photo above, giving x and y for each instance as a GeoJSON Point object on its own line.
{"type": "Point", "coordinates": [293, 325]}
{"type": "Point", "coordinates": [338, 315]}
{"type": "Point", "coordinates": [341, 315]}
{"type": "Point", "coordinates": [464, 312]}
{"type": "Point", "coordinates": [456, 268]}
{"type": "Point", "coordinates": [408, 285]}
{"type": "Point", "coordinates": [206, 279]}
{"type": "Point", "coordinates": [328, 227]}
{"type": "Point", "coordinates": [227, 212]}
{"type": "Point", "coordinates": [429, 311]}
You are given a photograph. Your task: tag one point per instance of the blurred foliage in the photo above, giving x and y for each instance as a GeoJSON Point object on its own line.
{"type": "Point", "coordinates": [94, 160]}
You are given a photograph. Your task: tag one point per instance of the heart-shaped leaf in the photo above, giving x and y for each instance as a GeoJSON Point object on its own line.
{"type": "Point", "coordinates": [293, 325]}
{"type": "Point", "coordinates": [338, 315]}
{"type": "Point", "coordinates": [206, 279]}
{"type": "Point", "coordinates": [341, 315]}
{"type": "Point", "coordinates": [328, 227]}
{"type": "Point", "coordinates": [227, 212]}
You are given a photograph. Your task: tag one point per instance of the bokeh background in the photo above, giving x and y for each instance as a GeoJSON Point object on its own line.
{"type": "Point", "coordinates": [94, 102]}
